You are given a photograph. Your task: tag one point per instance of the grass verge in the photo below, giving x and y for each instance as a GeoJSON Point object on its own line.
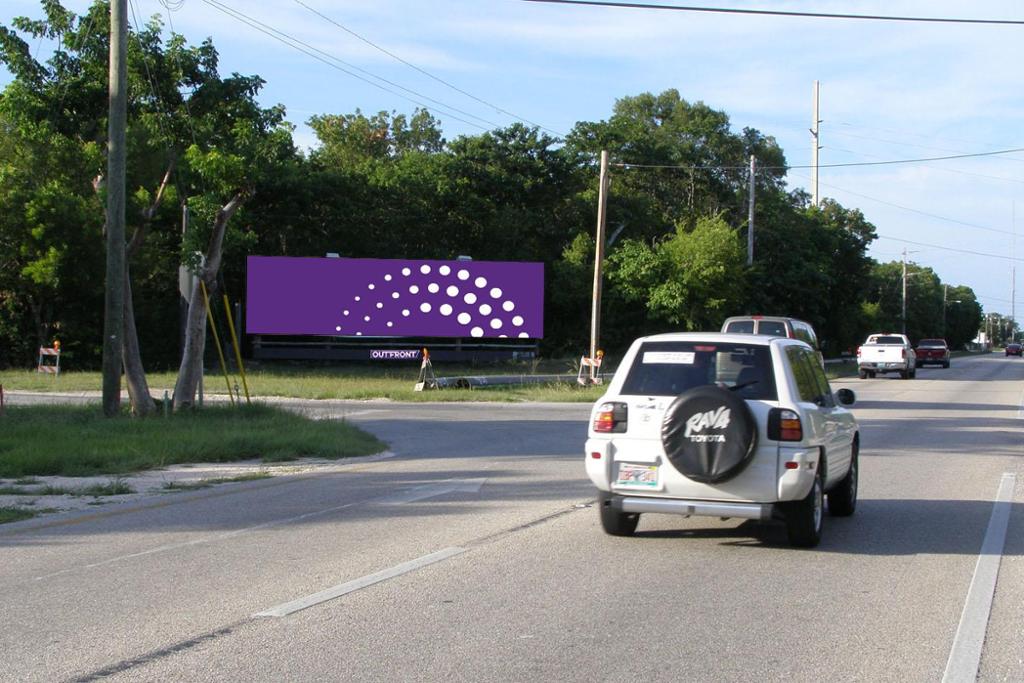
{"type": "Point", "coordinates": [79, 441]}
{"type": "Point", "coordinates": [354, 382]}
{"type": "Point", "coordinates": [207, 483]}
{"type": "Point", "coordinates": [13, 514]}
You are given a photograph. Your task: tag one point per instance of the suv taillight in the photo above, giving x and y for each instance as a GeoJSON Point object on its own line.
{"type": "Point", "coordinates": [858, 352]}
{"type": "Point", "coordinates": [784, 425]}
{"type": "Point", "coordinates": [610, 418]}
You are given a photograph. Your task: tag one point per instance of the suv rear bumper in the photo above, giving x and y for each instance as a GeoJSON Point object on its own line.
{"type": "Point", "coordinates": [687, 508]}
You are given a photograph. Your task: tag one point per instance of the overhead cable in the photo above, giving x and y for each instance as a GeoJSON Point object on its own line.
{"type": "Point", "coordinates": [425, 72]}
{"type": "Point", "coordinates": [937, 168]}
{"type": "Point", "coordinates": [848, 165]}
{"type": "Point", "coordinates": [329, 60]}
{"type": "Point", "coordinates": [917, 211]}
{"type": "Point", "coordinates": [781, 13]}
{"type": "Point", "coordinates": [959, 251]}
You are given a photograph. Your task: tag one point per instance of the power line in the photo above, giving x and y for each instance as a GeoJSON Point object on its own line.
{"type": "Point", "coordinates": [906, 144]}
{"type": "Point", "coordinates": [959, 251]}
{"type": "Point", "coordinates": [310, 51]}
{"type": "Point", "coordinates": [426, 73]}
{"type": "Point", "coordinates": [779, 13]}
{"type": "Point", "coordinates": [917, 211]}
{"type": "Point", "coordinates": [937, 168]}
{"type": "Point", "coordinates": [904, 133]}
{"type": "Point", "coordinates": [849, 165]}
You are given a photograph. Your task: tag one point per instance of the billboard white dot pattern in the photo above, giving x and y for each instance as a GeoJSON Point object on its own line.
{"type": "Point", "coordinates": [475, 315]}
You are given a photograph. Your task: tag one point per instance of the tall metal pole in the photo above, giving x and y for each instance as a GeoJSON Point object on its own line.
{"type": "Point", "coordinates": [602, 203]}
{"type": "Point", "coordinates": [113, 305]}
{"type": "Point", "coordinates": [1013, 301]}
{"type": "Point", "coordinates": [750, 215]}
{"type": "Point", "coordinates": [945, 295]}
{"type": "Point", "coordinates": [815, 146]}
{"type": "Point", "coordinates": [903, 309]}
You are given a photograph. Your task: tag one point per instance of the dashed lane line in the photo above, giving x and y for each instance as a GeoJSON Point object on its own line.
{"type": "Point", "coordinates": [965, 655]}
{"type": "Point", "coordinates": [302, 603]}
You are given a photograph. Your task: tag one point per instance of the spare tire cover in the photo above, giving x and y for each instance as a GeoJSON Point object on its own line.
{"type": "Point", "coordinates": [709, 434]}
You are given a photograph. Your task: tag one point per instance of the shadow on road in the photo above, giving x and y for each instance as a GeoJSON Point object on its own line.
{"type": "Point", "coordinates": [879, 527]}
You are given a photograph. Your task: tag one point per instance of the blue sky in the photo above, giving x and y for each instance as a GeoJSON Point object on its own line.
{"type": "Point", "coordinates": [889, 91]}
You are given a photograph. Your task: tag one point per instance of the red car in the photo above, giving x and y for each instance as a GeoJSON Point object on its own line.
{"type": "Point", "coordinates": [1013, 349]}
{"type": "Point", "coordinates": [932, 351]}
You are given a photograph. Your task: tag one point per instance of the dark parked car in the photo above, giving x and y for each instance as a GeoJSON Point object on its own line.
{"type": "Point", "coordinates": [932, 351]}
{"type": "Point", "coordinates": [1013, 349]}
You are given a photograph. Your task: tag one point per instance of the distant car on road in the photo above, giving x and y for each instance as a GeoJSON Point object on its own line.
{"type": "Point", "coordinates": [888, 352]}
{"type": "Point", "coordinates": [723, 425]}
{"type": "Point", "coordinates": [776, 326]}
{"type": "Point", "coordinates": [934, 351]}
{"type": "Point", "coordinates": [1013, 349]}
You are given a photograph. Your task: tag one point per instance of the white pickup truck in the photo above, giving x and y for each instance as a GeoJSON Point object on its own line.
{"type": "Point", "coordinates": [886, 353]}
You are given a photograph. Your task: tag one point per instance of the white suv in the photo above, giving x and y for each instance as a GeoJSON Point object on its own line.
{"type": "Point", "coordinates": [724, 425]}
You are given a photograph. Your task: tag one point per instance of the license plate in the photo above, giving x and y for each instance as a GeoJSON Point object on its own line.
{"type": "Point", "coordinates": [637, 476]}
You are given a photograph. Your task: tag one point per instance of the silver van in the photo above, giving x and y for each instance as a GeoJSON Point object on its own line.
{"type": "Point", "coordinates": [773, 326]}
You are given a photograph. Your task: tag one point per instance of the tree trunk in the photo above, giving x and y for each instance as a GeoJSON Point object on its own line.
{"type": "Point", "coordinates": [131, 356]}
{"type": "Point", "coordinates": [134, 374]}
{"type": "Point", "coordinates": [195, 330]}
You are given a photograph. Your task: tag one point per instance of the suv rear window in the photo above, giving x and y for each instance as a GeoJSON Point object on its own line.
{"type": "Point", "coordinates": [933, 343]}
{"type": "Point", "coordinates": [888, 340]}
{"type": "Point", "coordinates": [774, 328]}
{"type": "Point", "coordinates": [741, 327]}
{"type": "Point", "coordinates": [670, 368]}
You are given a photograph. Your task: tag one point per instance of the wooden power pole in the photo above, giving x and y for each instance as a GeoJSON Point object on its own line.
{"type": "Point", "coordinates": [602, 205]}
{"type": "Point", "coordinates": [113, 307]}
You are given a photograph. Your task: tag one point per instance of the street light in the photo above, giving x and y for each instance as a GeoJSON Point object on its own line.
{"type": "Point", "coordinates": [945, 306]}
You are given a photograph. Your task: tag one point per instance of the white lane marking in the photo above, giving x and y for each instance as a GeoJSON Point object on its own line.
{"type": "Point", "coordinates": [432, 491]}
{"type": "Point", "coordinates": [287, 608]}
{"type": "Point", "coordinates": [1020, 410]}
{"type": "Point", "coordinates": [415, 494]}
{"type": "Point", "coordinates": [197, 541]}
{"type": "Point", "coordinates": [965, 655]}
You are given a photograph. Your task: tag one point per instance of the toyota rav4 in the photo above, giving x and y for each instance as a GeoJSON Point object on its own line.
{"type": "Point", "coordinates": [723, 425]}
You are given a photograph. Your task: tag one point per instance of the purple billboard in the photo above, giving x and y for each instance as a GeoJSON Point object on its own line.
{"type": "Point", "coordinates": [394, 297]}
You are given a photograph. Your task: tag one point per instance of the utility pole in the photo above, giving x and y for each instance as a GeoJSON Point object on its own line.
{"type": "Point", "coordinates": [602, 206]}
{"type": "Point", "coordinates": [113, 305]}
{"type": "Point", "coordinates": [945, 295]}
{"type": "Point", "coordinates": [815, 146]}
{"type": "Point", "coordinates": [1013, 301]}
{"type": "Point", "coordinates": [750, 215]}
{"type": "Point", "coordinates": [903, 309]}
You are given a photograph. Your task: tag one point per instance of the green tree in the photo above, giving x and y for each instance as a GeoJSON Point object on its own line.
{"type": "Point", "coordinates": [687, 162]}
{"type": "Point", "coordinates": [692, 280]}
{"type": "Point", "coordinates": [963, 319]}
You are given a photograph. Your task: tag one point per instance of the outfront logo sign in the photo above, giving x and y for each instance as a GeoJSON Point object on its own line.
{"type": "Point", "coordinates": [712, 419]}
{"type": "Point", "coordinates": [394, 297]}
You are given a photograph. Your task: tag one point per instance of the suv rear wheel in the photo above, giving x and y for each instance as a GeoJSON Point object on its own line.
{"type": "Point", "coordinates": [804, 517]}
{"type": "Point", "coordinates": [842, 500]}
{"type": "Point", "coordinates": [615, 522]}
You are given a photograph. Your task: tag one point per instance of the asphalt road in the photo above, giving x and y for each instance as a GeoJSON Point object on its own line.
{"type": "Point", "coordinates": [473, 555]}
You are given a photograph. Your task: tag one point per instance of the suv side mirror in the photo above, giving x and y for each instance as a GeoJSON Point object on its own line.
{"type": "Point", "coordinates": [846, 396]}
